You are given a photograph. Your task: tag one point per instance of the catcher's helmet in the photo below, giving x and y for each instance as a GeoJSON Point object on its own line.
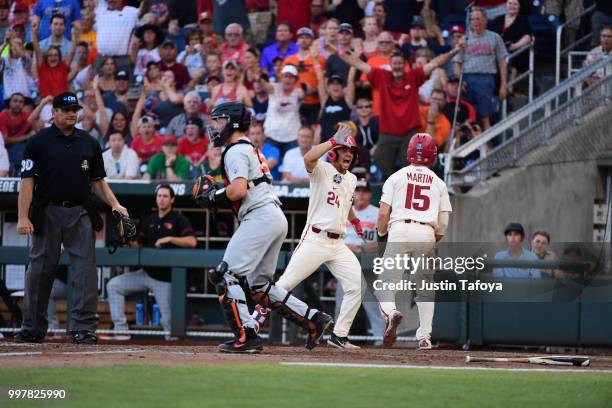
{"type": "Point", "coordinates": [332, 155]}
{"type": "Point", "coordinates": [239, 119]}
{"type": "Point", "coordinates": [422, 149]}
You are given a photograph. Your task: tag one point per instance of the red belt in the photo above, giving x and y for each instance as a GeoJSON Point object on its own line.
{"type": "Point", "coordinates": [416, 222]}
{"type": "Point", "coordinates": [329, 234]}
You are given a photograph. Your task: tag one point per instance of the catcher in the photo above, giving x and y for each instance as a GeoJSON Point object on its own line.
{"type": "Point", "coordinates": [251, 255]}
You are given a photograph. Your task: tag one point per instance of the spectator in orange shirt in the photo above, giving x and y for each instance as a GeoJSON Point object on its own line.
{"type": "Point", "coordinates": [433, 120]}
{"type": "Point", "coordinates": [307, 75]}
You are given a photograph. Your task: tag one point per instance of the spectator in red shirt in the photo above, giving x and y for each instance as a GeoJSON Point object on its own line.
{"type": "Point", "coordinates": [14, 121]}
{"type": "Point", "coordinates": [168, 55]}
{"type": "Point", "coordinates": [15, 129]}
{"type": "Point", "coordinates": [399, 103]}
{"type": "Point", "coordinates": [193, 146]}
{"type": "Point", "coordinates": [147, 143]}
{"type": "Point", "coordinates": [234, 47]}
{"type": "Point", "coordinates": [52, 70]}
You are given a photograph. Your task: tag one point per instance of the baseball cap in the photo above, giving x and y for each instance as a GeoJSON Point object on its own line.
{"type": "Point", "coordinates": [230, 62]}
{"type": "Point", "coordinates": [213, 78]}
{"type": "Point", "coordinates": [18, 23]}
{"type": "Point", "coordinates": [66, 100]}
{"type": "Point", "coordinates": [170, 140]}
{"type": "Point", "coordinates": [168, 43]}
{"type": "Point", "coordinates": [290, 69]}
{"type": "Point", "coordinates": [305, 31]}
{"type": "Point", "coordinates": [20, 8]}
{"type": "Point", "coordinates": [152, 62]}
{"type": "Point", "coordinates": [335, 78]}
{"type": "Point", "coordinates": [457, 29]}
{"type": "Point", "coordinates": [514, 226]}
{"type": "Point", "coordinates": [204, 16]}
{"type": "Point", "coordinates": [345, 27]}
{"type": "Point", "coordinates": [147, 120]}
{"type": "Point", "coordinates": [194, 121]}
{"type": "Point", "coordinates": [363, 184]}
{"type": "Point", "coordinates": [122, 75]}
{"type": "Point", "coordinates": [417, 24]}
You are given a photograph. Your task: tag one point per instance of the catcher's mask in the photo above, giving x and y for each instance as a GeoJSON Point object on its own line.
{"type": "Point", "coordinates": [238, 119]}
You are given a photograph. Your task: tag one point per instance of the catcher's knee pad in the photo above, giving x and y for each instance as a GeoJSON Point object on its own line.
{"type": "Point", "coordinates": [216, 277]}
{"type": "Point", "coordinates": [231, 297]}
{"type": "Point", "coordinates": [277, 298]}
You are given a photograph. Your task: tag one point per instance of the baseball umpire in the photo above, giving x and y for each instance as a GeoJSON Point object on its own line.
{"type": "Point", "coordinates": [251, 255]}
{"type": "Point", "coordinates": [62, 165]}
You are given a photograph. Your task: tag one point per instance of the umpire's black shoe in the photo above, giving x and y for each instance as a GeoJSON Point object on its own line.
{"type": "Point", "coordinates": [323, 323]}
{"type": "Point", "coordinates": [252, 344]}
{"type": "Point", "coordinates": [25, 336]}
{"type": "Point", "coordinates": [84, 337]}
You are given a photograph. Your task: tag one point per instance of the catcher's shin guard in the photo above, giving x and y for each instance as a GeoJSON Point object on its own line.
{"type": "Point", "coordinates": [276, 298]}
{"type": "Point", "coordinates": [232, 299]}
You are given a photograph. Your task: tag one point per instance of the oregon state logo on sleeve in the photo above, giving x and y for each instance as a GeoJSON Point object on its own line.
{"type": "Point", "coordinates": [27, 165]}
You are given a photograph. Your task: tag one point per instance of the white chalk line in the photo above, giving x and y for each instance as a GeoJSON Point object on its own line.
{"type": "Point", "coordinates": [354, 365]}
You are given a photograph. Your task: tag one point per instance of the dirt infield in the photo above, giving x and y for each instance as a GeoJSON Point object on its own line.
{"type": "Point", "coordinates": [66, 354]}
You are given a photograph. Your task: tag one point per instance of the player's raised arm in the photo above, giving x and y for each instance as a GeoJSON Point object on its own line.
{"type": "Point", "coordinates": [312, 157]}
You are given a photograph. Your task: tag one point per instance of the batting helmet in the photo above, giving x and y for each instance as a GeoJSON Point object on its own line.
{"type": "Point", "coordinates": [239, 119]}
{"type": "Point", "coordinates": [350, 143]}
{"type": "Point", "coordinates": [422, 149]}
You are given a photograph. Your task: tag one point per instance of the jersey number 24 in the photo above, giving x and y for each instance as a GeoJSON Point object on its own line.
{"type": "Point", "coordinates": [333, 199]}
{"type": "Point", "coordinates": [415, 197]}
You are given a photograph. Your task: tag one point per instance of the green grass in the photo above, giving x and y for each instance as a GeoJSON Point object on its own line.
{"type": "Point", "coordinates": [269, 386]}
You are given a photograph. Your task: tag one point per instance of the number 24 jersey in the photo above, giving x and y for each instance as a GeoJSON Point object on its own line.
{"type": "Point", "coordinates": [416, 193]}
{"type": "Point", "coordinates": [331, 197]}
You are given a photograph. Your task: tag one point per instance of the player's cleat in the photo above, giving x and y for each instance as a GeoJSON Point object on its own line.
{"type": "Point", "coordinates": [323, 323]}
{"type": "Point", "coordinates": [25, 336]}
{"type": "Point", "coordinates": [393, 321]}
{"type": "Point", "coordinates": [84, 337]}
{"type": "Point", "coordinates": [341, 343]}
{"type": "Point", "coordinates": [252, 345]}
{"type": "Point", "coordinates": [424, 344]}
{"type": "Point", "coordinates": [115, 337]}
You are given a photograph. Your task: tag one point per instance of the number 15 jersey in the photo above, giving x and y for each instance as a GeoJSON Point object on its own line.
{"type": "Point", "coordinates": [416, 193]}
{"type": "Point", "coordinates": [331, 197]}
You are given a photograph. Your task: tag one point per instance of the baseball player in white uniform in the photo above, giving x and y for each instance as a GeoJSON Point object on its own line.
{"type": "Point", "coordinates": [368, 215]}
{"type": "Point", "coordinates": [330, 205]}
{"type": "Point", "coordinates": [413, 216]}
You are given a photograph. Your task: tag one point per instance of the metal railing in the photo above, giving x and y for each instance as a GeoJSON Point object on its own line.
{"type": "Point", "coordinates": [562, 52]}
{"type": "Point", "coordinates": [532, 119]}
{"type": "Point", "coordinates": [581, 55]}
{"type": "Point", "coordinates": [527, 74]}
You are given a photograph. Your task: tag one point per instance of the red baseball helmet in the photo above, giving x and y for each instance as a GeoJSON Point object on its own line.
{"type": "Point", "coordinates": [351, 143]}
{"type": "Point", "coordinates": [422, 149]}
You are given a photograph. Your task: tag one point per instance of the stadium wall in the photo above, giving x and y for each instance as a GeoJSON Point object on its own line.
{"type": "Point", "coordinates": [552, 188]}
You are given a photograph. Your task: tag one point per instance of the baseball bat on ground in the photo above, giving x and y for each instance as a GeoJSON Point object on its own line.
{"type": "Point", "coordinates": [578, 361]}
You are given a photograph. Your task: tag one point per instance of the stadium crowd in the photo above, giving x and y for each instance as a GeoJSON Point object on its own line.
{"type": "Point", "coordinates": [147, 72]}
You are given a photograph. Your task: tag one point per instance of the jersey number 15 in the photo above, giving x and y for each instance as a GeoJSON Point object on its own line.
{"type": "Point", "coordinates": [415, 199]}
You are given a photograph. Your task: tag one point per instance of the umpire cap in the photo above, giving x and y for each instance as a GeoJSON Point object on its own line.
{"type": "Point", "coordinates": [66, 100]}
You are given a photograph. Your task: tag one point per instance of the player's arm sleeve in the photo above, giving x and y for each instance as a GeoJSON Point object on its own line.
{"type": "Point", "coordinates": [445, 204]}
{"type": "Point", "coordinates": [443, 217]}
{"type": "Point", "coordinates": [387, 192]}
{"type": "Point", "coordinates": [316, 171]}
{"type": "Point", "coordinates": [237, 164]}
{"type": "Point", "coordinates": [185, 228]}
{"type": "Point", "coordinates": [29, 164]}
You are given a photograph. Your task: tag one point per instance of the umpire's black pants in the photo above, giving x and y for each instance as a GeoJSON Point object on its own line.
{"type": "Point", "coordinates": [72, 227]}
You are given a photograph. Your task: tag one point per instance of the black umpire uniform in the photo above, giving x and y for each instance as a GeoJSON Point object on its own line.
{"type": "Point", "coordinates": [61, 211]}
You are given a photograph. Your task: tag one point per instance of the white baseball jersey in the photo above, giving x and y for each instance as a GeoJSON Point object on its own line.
{"type": "Point", "coordinates": [416, 193]}
{"type": "Point", "coordinates": [331, 197]}
{"type": "Point", "coordinates": [368, 217]}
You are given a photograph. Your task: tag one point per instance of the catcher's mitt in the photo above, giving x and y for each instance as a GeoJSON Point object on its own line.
{"type": "Point", "coordinates": [204, 190]}
{"type": "Point", "coordinates": [125, 231]}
